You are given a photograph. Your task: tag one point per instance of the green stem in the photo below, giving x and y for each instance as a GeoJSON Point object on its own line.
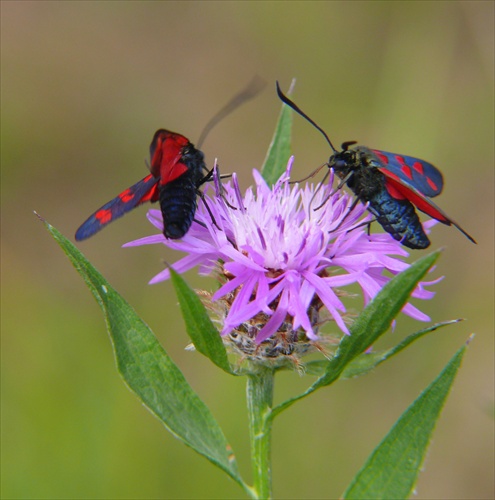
{"type": "Point", "coordinates": [259, 402]}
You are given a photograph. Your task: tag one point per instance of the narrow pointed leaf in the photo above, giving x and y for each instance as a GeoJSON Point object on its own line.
{"type": "Point", "coordinates": [206, 338]}
{"type": "Point", "coordinates": [373, 322]}
{"type": "Point", "coordinates": [149, 372]}
{"type": "Point", "coordinates": [279, 151]}
{"type": "Point", "coordinates": [365, 362]}
{"type": "Point", "coordinates": [392, 470]}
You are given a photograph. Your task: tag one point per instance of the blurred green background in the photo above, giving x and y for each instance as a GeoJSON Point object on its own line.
{"type": "Point", "coordinates": [84, 87]}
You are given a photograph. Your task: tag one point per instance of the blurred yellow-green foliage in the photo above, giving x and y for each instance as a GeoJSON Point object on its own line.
{"type": "Point", "coordinates": [84, 87]}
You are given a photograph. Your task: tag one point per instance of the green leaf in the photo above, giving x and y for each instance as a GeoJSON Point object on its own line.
{"type": "Point", "coordinates": [279, 151]}
{"type": "Point", "coordinates": [150, 373]}
{"type": "Point", "coordinates": [206, 338]}
{"type": "Point", "coordinates": [393, 468]}
{"type": "Point", "coordinates": [373, 322]}
{"type": "Point", "coordinates": [365, 362]}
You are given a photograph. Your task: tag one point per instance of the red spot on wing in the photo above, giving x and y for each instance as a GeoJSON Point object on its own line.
{"type": "Point", "coordinates": [104, 216]}
{"type": "Point", "coordinates": [126, 196]}
{"type": "Point", "coordinates": [389, 175]}
{"type": "Point", "coordinates": [400, 159]}
{"type": "Point", "coordinates": [406, 171]}
{"type": "Point", "coordinates": [432, 184]}
{"type": "Point", "coordinates": [418, 166]}
{"type": "Point", "coordinates": [381, 156]}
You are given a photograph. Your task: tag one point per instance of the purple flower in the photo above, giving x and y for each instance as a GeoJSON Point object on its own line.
{"type": "Point", "coordinates": [282, 253]}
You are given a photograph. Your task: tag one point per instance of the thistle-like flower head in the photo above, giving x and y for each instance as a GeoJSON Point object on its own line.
{"type": "Point", "coordinates": [282, 255]}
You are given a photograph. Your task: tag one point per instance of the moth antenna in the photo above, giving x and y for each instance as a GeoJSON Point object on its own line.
{"type": "Point", "coordinates": [298, 110]}
{"type": "Point", "coordinates": [254, 88]}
